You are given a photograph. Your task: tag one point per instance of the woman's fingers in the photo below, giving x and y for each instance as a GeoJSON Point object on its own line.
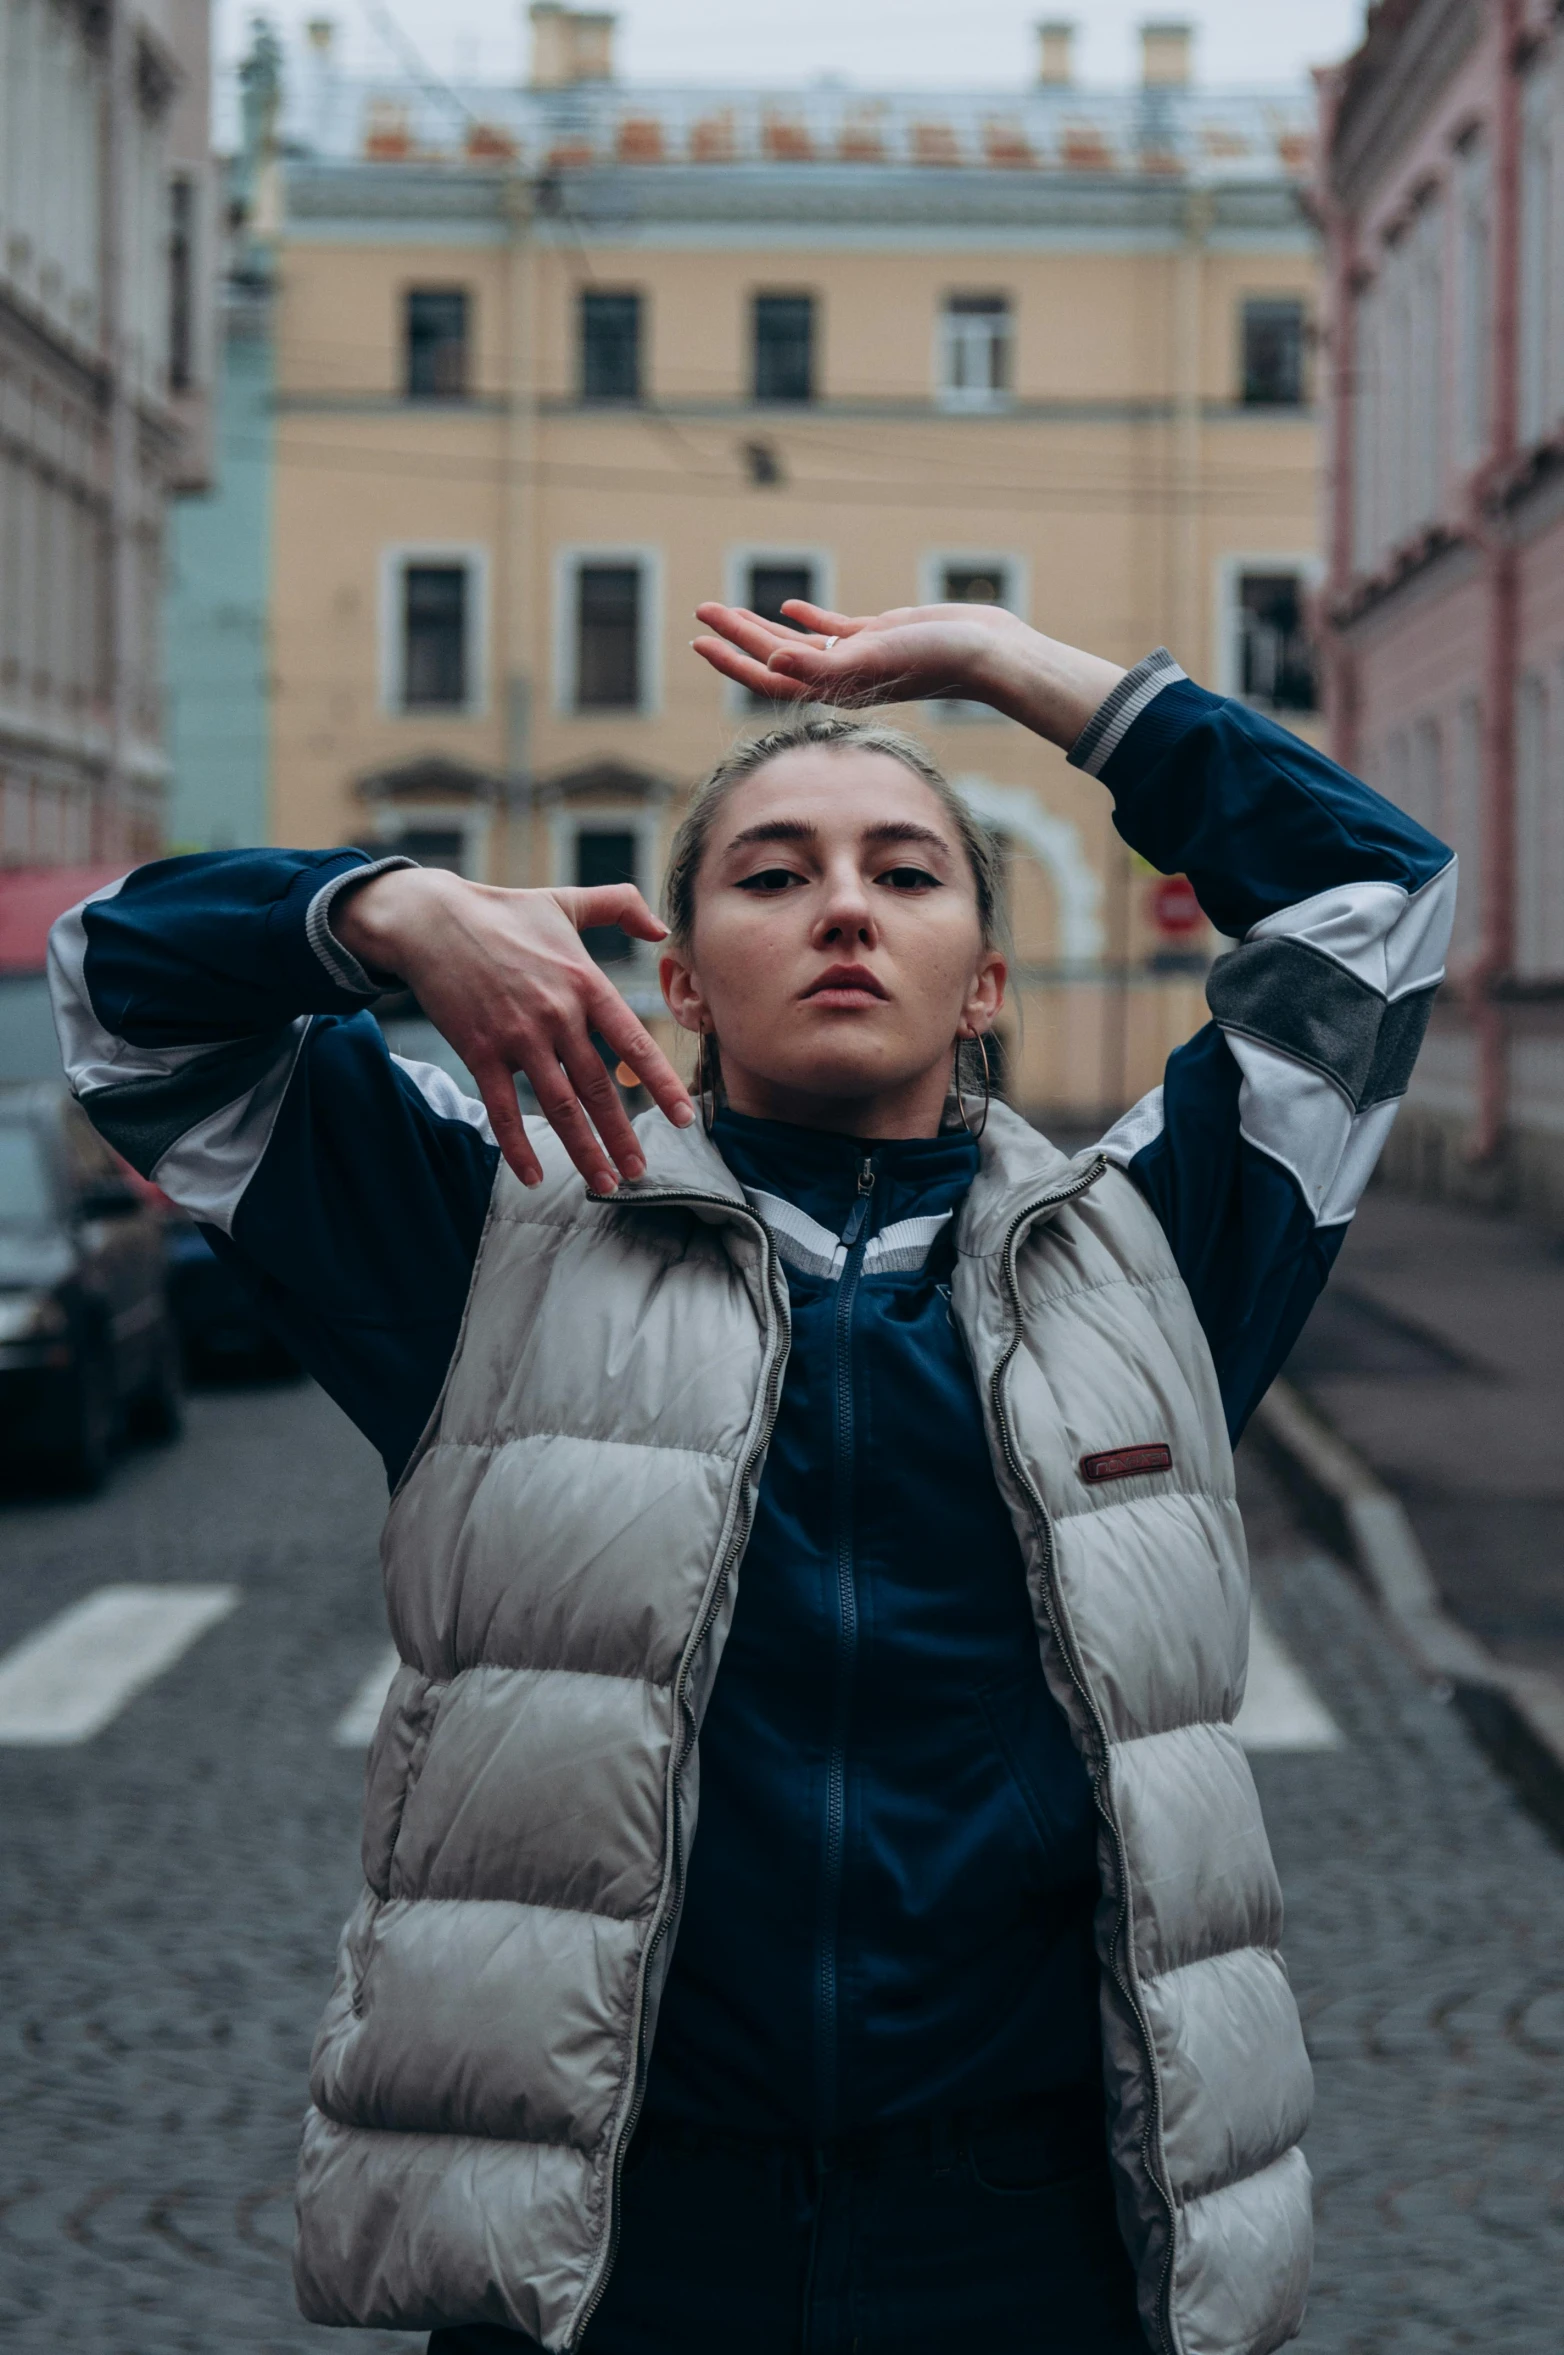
{"type": "Point", "coordinates": [600, 1099]}
{"type": "Point", "coordinates": [821, 619]}
{"type": "Point", "coordinates": [497, 1086]}
{"type": "Point", "coordinates": [746, 671]}
{"type": "Point", "coordinates": [611, 903]}
{"type": "Point", "coordinates": [561, 1107]}
{"type": "Point", "coordinates": [633, 1043]}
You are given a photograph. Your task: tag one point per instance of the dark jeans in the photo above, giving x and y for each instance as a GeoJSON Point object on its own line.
{"type": "Point", "coordinates": [997, 2233]}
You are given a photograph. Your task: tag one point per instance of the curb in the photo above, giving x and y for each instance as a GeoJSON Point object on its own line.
{"type": "Point", "coordinates": [1517, 1714]}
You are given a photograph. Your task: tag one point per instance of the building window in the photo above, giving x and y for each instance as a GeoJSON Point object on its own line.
{"type": "Point", "coordinates": [608, 637]}
{"type": "Point", "coordinates": [181, 282]}
{"type": "Point", "coordinates": [437, 334]}
{"type": "Point", "coordinates": [975, 351]}
{"type": "Point", "coordinates": [784, 347]}
{"type": "Point", "coordinates": [969, 579]}
{"type": "Point", "coordinates": [1275, 657]}
{"type": "Point", "coordinates": [768, 583]}
{"type": "Point", "coordinates": [434, 637]}
{"type": "Point", "coordinates": [976, 581]}
{"type": "Point", "coordinates": [607, 854]}
{"type": "Point", "coordinates": [1273, 346]}
{"type": "Point", "coordinates": [610, 346]}
{"type": "Point", "coordinates": [434, 846]}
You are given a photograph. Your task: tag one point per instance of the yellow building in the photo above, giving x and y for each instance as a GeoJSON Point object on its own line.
{"type": "Point", "coordinates": [554, 364]}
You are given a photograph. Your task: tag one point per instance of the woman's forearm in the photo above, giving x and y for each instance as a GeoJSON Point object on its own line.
{"type": "Point", "coordinates": [1051, 688]}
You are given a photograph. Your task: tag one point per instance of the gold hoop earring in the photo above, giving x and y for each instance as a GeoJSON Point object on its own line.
{"type": "Point", "coordinates": [705, 1082]}
{"type": "Point", "coordinates": [981, 1043]}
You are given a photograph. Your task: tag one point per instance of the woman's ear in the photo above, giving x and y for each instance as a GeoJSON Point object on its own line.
{"type": "Point", "coordinates": [985, 994]}
{"type": "Point", "coordinates": [682, 993]}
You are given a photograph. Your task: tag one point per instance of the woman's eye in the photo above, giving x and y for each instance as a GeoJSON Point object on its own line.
{"type": "Point", "coordinates": [770, 879]}
{"type": "Point", "coordinates": [910, 879]}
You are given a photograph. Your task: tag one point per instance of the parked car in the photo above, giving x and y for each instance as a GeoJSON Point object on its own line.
{"type": "Point", "coordinates": [88, 1346]}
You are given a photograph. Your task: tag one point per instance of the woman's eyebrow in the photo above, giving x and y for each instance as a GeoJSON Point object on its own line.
{"type": "Point", "coordinates": [908, 830]}
{"type": "Point", "coordinates": [776, 830]}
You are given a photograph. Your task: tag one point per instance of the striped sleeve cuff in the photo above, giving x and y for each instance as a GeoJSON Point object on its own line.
{"type": "Point", "coordinates": [1108, 726]}
{"type": "Point", "coordinates": [343, 967]}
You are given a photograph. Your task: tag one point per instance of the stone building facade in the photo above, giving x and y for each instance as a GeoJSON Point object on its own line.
{"type": "Point", "coordinates": [1443, 195]}
{"type": "Point", "coordinates": [552, 364]}
{"type": "Point", "coordinates": [106, 226]}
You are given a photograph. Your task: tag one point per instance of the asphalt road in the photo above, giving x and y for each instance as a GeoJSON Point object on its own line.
{"type": "Point", "coordinates": [172, 1889]}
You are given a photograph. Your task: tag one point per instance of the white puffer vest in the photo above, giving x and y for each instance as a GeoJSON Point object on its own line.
{"type": "Point", "coordinates": [561, 1561]}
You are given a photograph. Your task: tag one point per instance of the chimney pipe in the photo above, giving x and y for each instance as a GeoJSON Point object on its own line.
{"type": "Point", "coordinates": [1165, 56]}
{"type": "Point", "coordinates": [1055, 54]}
{"type": "Point", "coordinates": [570, 45]}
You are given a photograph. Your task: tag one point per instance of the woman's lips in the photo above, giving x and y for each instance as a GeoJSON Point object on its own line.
{"type": "Point", "coordinates": [846, 985]}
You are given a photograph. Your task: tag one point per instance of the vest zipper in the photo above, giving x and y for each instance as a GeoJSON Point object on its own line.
{"type": "Point", "coordinates": [1151, 2133]}
{"type": "Point", "coordinates": [843, 1481]}
{"type": "Point", "coordinates": [771, 1394]}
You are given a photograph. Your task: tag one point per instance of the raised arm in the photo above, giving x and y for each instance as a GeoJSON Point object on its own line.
{"type": "Point", "coordinates": [1256, 1148]}
{"type": "Point", "coordinates": [211, 1016]}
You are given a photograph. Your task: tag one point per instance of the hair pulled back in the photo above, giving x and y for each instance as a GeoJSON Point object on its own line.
{"type": "Point", "coordinates": [838, 733]}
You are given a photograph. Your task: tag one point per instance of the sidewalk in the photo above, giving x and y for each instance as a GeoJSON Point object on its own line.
{"type": "Point", "coordinates": [1438, 1355]}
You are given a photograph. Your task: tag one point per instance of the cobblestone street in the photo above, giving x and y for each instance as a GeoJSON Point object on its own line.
{"type": "Point", "coordinates": [172, 1890]}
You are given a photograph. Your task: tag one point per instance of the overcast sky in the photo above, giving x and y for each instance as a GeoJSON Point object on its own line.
{"type": "Point", "coordinates": [890, 43]}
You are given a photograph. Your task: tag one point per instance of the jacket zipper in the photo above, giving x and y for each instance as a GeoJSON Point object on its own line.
{"type": "Point", "coordinates": [855, 1239]}
{"type": "Point", "coordinates": [1152, 2132]}
{"type": "Point", "coordinates": [703, 1626]}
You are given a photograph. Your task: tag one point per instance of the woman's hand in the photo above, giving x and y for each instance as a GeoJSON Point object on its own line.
{"type": "Point", "coordinates": [503, 975]}
{"type": "Point", "coordinates": [980, 652]}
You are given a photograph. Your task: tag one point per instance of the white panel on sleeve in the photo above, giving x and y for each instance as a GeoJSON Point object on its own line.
{"type": "Point", "coordinates": [1391, 939]}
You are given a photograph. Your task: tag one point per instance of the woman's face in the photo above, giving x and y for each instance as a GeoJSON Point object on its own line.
{"type": "Point", "coordinates": [837, 953]}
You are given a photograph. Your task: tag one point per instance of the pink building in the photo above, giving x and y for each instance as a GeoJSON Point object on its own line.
{"type": "Point", "coordinates": [1443, 197]}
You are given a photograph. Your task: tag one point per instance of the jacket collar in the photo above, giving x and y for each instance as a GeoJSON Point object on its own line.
{"type": "Point", "coordinates": [1018, 1165]}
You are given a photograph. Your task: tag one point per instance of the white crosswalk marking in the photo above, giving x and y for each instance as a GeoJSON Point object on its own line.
{"type": "Point", "coordinates": [1281, 1709]}
{"type": "Point", "coordinates": [65, 1682]}
{"type": "Point", "coordinates": [355, 1728]}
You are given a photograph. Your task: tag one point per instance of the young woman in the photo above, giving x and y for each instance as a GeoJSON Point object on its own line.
{"type": "Point", "coordinates": [815, 1897]}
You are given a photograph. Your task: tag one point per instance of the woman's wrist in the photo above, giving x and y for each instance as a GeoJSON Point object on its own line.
{"type": "Point", "coordinates": [1051, 688]}
{"type": "Point", "coordinates": [378, 922]}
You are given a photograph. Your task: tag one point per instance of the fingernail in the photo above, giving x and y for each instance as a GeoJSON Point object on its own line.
{"type": "Point", "coordinates": [635, 1167]}
{"type": "Point", "coordinates": [533, 1181]}
{"type": "Point", "coordinates": [683, 1115]}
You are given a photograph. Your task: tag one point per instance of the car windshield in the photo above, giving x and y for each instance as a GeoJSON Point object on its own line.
{"type": "Point", "coordinates": [24, 1179]}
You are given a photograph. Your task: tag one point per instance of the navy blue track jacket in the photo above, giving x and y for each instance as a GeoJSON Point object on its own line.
{"type": "Point", "coordinates": [889, 1900]}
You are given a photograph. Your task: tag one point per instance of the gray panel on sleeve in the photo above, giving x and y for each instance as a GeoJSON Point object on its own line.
{"type": "Point", "coordinates": [1286, 995]}
{"type": "Point", "coordinates": [142, 1118]}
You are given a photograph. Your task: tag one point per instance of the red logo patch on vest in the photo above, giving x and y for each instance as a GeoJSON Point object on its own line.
{"type": "Point", "coordinates": [1121, 1463]}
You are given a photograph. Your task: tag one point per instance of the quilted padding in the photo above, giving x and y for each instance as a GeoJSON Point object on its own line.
{"type": "Point", "coordinates": [560, 1564]}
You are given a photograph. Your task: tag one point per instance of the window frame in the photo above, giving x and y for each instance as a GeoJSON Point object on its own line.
{"type": "Point", "coordinates": [1252, 300]}
{"type": "Point", "coordinates": [960, 400]}
{"type": "Point", "coordinates": [795, 294]}
{"type": "Point", "coordinates": [596, 400]}
{"type": "Point", "coordinates": [394, 820]}
{"type": "Point", "coordinates": [395, 560]}
{"type": "Point", "coordinates": [423, 400]}
{"type": "Point", "coordinates": [1227, 670]}
{"type": "Point", "coordinates": [569, 560]}
{"type": "Point", "coordinates": [739, 561]}
{"type": "Point", "coordinates": [933, 564]}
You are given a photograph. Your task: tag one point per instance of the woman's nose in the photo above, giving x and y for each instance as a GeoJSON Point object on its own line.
{"type": "Point", "coordinates": [848, 912]}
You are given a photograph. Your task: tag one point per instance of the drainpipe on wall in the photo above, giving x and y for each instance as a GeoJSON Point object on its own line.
{"type": "Point", "coordinates": [119, 98]}
{"type": "Point", "coordinates": [1496, 949]}
{"type": "Point", "coordinates": [521, 583]}
{"type": "Point", "coordinates": [1341, 677]}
